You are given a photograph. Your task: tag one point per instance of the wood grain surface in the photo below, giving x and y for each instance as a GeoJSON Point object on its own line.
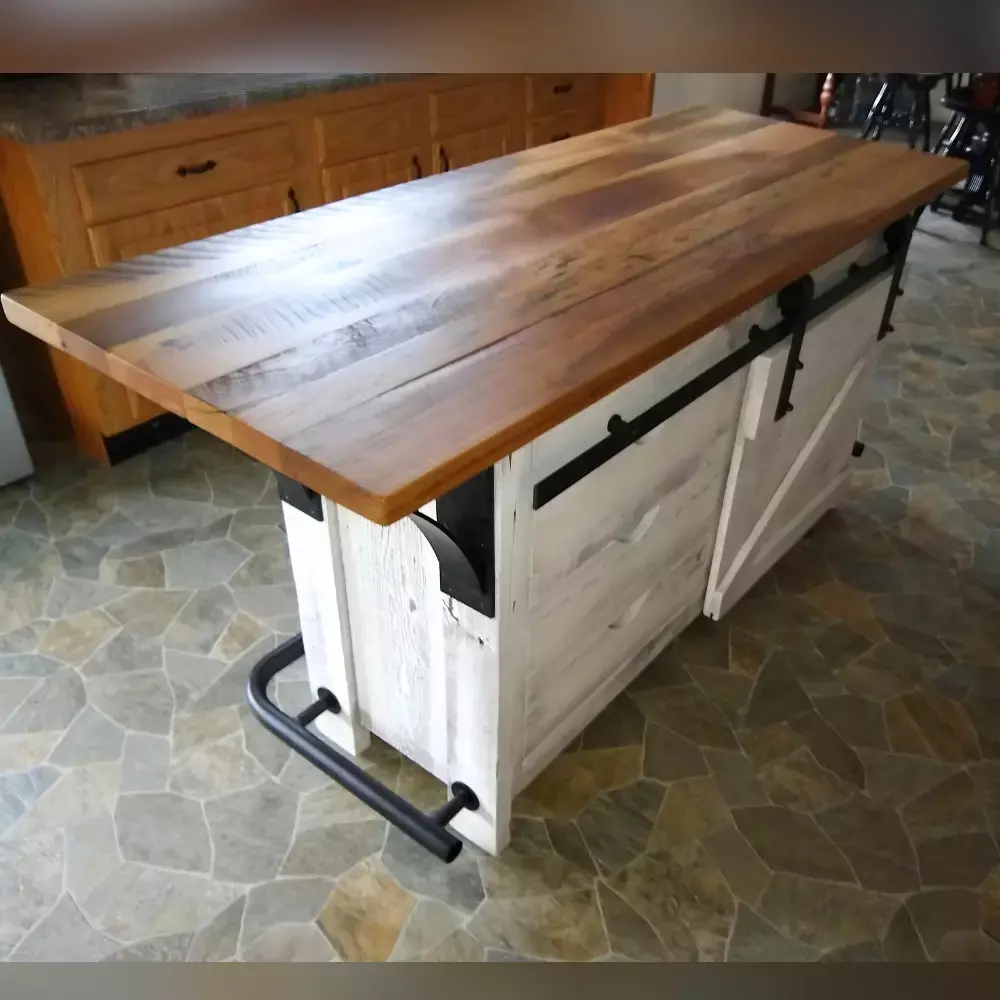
{"type": "Point", "coordinates": [383, 349]}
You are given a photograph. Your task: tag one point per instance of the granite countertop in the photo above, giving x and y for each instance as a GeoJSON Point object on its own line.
{"type": "Point", "coordinates": [57, 107]}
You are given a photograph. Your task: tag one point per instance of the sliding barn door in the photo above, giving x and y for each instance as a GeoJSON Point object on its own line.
{"type": "Point", "coordinates": [786, 472]}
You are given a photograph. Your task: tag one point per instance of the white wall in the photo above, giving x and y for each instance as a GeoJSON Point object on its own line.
{"type": "Point", "coordinates": [742, 91]}
{"type": "Point", "coordinates": [673, 91]}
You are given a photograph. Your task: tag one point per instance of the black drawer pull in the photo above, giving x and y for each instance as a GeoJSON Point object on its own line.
{"type": "Point", "coordinates": [197, 168]}
{"type": "Point", "coordinates": [445, 163]}
{"type": "Point", "coordinates": [296, 207]}
{"type": "Point", "coordinates": [416, 166]}
{"type": "Point", "coordinates": [562, 88]}
{"type": "Point", "coordinates": [428, 830]}
{"type": "Point", "coordinates": [559, 136]}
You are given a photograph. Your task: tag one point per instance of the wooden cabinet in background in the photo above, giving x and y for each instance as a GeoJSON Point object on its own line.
{"type": "Point", "coordinates": [93, 201]}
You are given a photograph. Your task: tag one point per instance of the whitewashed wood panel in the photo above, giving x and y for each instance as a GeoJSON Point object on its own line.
{"type": "Point", "coordinates": [486, 689]}
{"type": "Point", "coordinates": [628, 502]}
{"type": "Point", "coordinates": [566, 729]}
{"type": "Point", "coordinates": [765, 449]}
{"type": "Point", "coordinates": [600, 590]}
{"type": "Point", "coordinates": [809, 486]}
{"type": "Point", "coordinates": [554, 694]}
{"type": "Point", "coordinates": [813, 485]}
{"type": "Point", "coordinates": [318, 571]}
{"type": "Point", "coordinates": [395, 607]}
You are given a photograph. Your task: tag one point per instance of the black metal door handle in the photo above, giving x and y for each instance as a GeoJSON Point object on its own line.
{"type": "Point", "coordinates": [445, 163]}
{"type": "Point", "coordinates": [197, 168]}
{"type": "Point", "coordinates": [428, 830]}
{"type": "Point", "coordinates": [416, 166]}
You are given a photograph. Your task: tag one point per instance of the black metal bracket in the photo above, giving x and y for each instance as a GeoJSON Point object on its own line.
{"type": "Point", "coordinates": [428, 830]}
{"type": "Point", "coordinates": [794, 302]}
{"type": "Point", "coordinates": [459, 579]}
{"type": "Point", "coordinates": [463, 541]}
{"type": "Point", "coordinates": [300, 497]}
{"type": "Point", "coordinates": [461, 537]}
{"type": "Point", "coordinates": [623, 433]}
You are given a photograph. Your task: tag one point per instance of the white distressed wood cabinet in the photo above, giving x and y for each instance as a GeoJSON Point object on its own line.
{"type": "Point", "coordinates": [591, 585]}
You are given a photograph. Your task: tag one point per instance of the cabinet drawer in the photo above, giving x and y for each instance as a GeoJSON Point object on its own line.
{"type": "Point", "coordinates": [346, 136]}
{"type": "Point", "coordinates": [160, 178]}
{"type": "Point", "coordinates": [564, 125]}
{"type": "Point", "coordinates": [550, 92]}
{"type": "Point", "coordinates": [463, 109]}
{"type": "Point", "coordinates": [347, 179]}
{"type": "Point", "coordinates": [125, 238]}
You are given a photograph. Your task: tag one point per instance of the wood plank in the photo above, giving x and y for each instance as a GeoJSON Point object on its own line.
{"type": "Point", "coordinates": [384, 348]}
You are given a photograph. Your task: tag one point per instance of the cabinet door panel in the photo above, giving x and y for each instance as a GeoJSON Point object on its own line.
{"type": "Point", "coordinates": [361, 176]}
{"type": "Point", "coordinates": [786, 472]}
{"type": "Point", "coordinates": [171, 227]}
{"type": "Point", "coordinates": [475, 147]}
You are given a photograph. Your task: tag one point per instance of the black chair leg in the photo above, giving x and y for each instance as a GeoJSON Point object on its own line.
{"type": "Point", "coordinates": [873, 119]}
{"type": "Point", "coordinates": [926, 110]}
{"type": "Point", "coordinates": [960, 126]}
{"type": "Point", "coordinates": [942, 144]}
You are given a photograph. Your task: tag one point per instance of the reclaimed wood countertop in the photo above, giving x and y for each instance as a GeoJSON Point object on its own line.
{"type": "Point", "coordinates": [383, 349]}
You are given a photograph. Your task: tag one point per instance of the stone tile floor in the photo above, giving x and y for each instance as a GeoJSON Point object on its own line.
{"type": "Point", "coordinates": [817, 777]}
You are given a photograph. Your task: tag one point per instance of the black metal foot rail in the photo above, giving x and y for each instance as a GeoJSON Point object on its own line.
{"type": "Point", "coordinates": [427, 830]}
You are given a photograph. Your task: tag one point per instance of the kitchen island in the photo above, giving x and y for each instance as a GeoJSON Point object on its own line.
{"type": "Point", "coordinates": [530, 418]}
